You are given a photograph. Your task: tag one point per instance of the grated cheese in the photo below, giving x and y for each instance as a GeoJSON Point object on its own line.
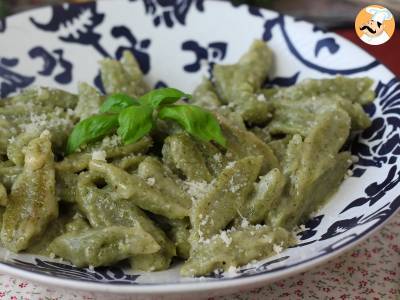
{"type": "Point", "coordinates": [99, 155]}
{"type": "Point", "coordinates": [151, 181]}
{"type": "Point", "coordinates": [225, 238]}
{"type": "Point", "coordinates": [196, 189]}
{"type": "Point", "coordinates": [261, 98]}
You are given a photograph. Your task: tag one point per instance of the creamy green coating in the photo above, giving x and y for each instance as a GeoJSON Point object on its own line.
{"type": "Point", "coordinates": [181, 154]}
{"type": "Point", "coordinates": [236, 248]}
{"type": "Point", "coordinates": [102, 210]}
{"type": "Point", "coordinates": [79, 161]}
{"type": "Point", "coordinates": [89, 101]}
{"type": "Point", "coordinates": [242, 143]}
{"type": "Point", "coordinates": [123, 77]}
{"type": "Point", "coordinates": [239, 83]}
{"type": "Point", "coordinates": [137, 190]}
{"type": "Point", "coordinates": [306, 161]}
{"type": "Point", "coordinates": [161, 178]}
{"type": "Point", "coordinates": [205, 95]}
{"type": "Point", "coordinates": [265, 197]}
{"type": "Point", "coordinates": [33, 204]}
{"type": "Point", "coordinates": [3, 195]}
{"type": "Point", "coordinates": [66, 183]}
{"type": "Point", "coordinates": [46, 97]}
{"type": "Point", "coordinates": [356, 90]}
{"type": "Point", "coordinates": [225, 199]}
{"type": "Point", "coordinates": [103, 246]}
{"type": "Point", "coordinates": [169, 194]}
{"type": "Point", "coordinates": [8, 175]}
{"type": "Point", "coordinates": [300, 115]}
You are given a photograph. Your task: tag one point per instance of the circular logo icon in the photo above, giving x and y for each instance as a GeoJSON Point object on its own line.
{"type": "Point", "coordinates": [375, 25]}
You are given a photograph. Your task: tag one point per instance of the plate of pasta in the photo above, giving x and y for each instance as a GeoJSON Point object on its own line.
{"type": "Point", "coordinates": [146, 148]}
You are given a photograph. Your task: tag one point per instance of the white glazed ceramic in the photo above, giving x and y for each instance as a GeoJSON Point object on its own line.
{"type": "Point", "coordinates": [176, 43]}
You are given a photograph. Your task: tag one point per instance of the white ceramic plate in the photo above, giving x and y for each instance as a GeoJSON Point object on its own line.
{"type": "Point", "coordinates": [176, 43]}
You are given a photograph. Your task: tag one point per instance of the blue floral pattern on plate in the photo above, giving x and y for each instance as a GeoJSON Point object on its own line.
{"type": "Point", "coordinates": [65, 49]}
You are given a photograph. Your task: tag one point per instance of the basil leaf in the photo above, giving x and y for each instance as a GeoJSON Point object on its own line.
{"type": "Point", "coordinates": [117, 102]}
{"type": "Point", "coordinates": [163, 96]}
{"type": "Point", "coordinates": [196, 121]}
{"type": "Point", "coordinates": [135, 122]}
{"type": "Point", "coordinates": [90, 130]}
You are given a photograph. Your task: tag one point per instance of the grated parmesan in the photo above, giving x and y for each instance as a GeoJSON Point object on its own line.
{"type": "Point", "coordinates": [225, 238]}
{"type": "Point", "coordinates": [196, 189]}
{"type": "Point", "coordinates": [261, 98]}
{"type": "Point", "coordinates": [99, 155]}
{"type": "Point", "coordinates": [151, 181]}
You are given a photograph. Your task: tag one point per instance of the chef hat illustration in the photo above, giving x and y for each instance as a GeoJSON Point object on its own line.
{"type": "Point", "coordinates": [379, 14]}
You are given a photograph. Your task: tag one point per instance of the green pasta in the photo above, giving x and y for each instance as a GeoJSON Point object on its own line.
{"type": "Point", "coordinates": [220, 206]}
{"type": "Point", "coordinates": [239, 83]}
{"type": "Point", "coordinates": [33, 204]}
{"type": "Point", "coordinates": [235, 248]}
{"type": "Point", "coordinates": [218, 185]}
{"type": "Point", "coordinates": [104, 246]}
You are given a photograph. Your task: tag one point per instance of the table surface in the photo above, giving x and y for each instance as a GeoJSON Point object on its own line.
{"type": "Point", "coordinates": [369, 271]}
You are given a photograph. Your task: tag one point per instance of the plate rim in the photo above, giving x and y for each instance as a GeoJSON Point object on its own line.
{"type": "Point", "coordinates": [248, 282]}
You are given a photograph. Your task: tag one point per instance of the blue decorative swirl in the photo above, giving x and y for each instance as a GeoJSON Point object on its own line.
{"type": "Point", "coordinates": [78, 21]}
{"type": "Point", "coordinates": [137, 48]}
{"type": "Point", "coordinates": [328, 43]}
{"type": "Point", "coordinates": [170, 12]}
{"type": "Point", "coordinates": [49, 62]}
{"type": "Point", "coordinates": [11, 81]}
{"type": "Point", "coordinates": [3, 25]}
{"type": "Point", "coordinates": [214, 52]}
{"type": "Point", "coordinates": [280, 21]}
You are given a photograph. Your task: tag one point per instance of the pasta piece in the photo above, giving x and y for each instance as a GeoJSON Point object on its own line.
{"type": "Point", "coordinates": [129, 163]}
{"type": "Point", "coordinates": [55, 228]}
{"type": "Point", "coordinates": [103, 246]}
{"type": "Point", "coordinates": [123, 77]}
{"type": "Point", "coordinates": [266, 194]}
{"type": "Point", "coordinates": [178, 231]}
{"type": "Point", "coordinates": [205, 95]}
{"type": "Point", "coordinates": [33, 204]}
{"type": "Point", "coordinates": [15, 150]}
{"type": "Point", "coordinates": [262, 133]}
{"type": "Point", "coordinates": [236, 248]}
{"type": "Point", "coordinates": [228, 194]}
{"type": "Point", "coordinates": [243, 143]}
{"type": "Point", "coordinates": [103, 210]}
{"type": "Point", "coordinates": [66, 183]}
{"type": "Point", "coordinates": [3, 195]}
{"type": "Point", "coordinates": [179, 234]}
{"type": "Point", "coordinates": [324, 187]}
{"type": "Point", "coordinates": [161, 178]}
{"type": "Point", "coordinates": [132, 69]}
{"type": "Point", "coordinates": [215, 160]}
{"type": "Point", "coordinates": [239, 83]}
{"type": "Point", "coordinates": [89, 101]}
{"type": "Point", "coordinates": [42, 96]}
{"type": "Point", "coordinates": [307, 161]}
{"type": "Point", "coordinates": [181, 155]}
{"type": "Point", "coordinates": [298, 116]}
{"type": "Point", "coordinates": [137, 190]}
{"type": "Point", "coordinates": [7, 131]}
{"type": "Point", "coordinates": [79, 161]}
{"type": "Point", "coordinates": [8, 175]}
{"type": "Point", "coordinates": [279, 147]}
{"type": "Point", "coordinates": [356, 90]}
{"type": "Point", "coordinates": [78, 223]}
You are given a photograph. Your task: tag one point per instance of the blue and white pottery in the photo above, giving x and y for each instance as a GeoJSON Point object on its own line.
{"type": "Point", "coordinates": [176, 43]}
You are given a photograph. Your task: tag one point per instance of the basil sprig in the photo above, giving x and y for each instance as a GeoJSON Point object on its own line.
{"type": "Point", "coordinates": [132, 119]}
{"type": "Point", "coordinates": [195, 120]}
